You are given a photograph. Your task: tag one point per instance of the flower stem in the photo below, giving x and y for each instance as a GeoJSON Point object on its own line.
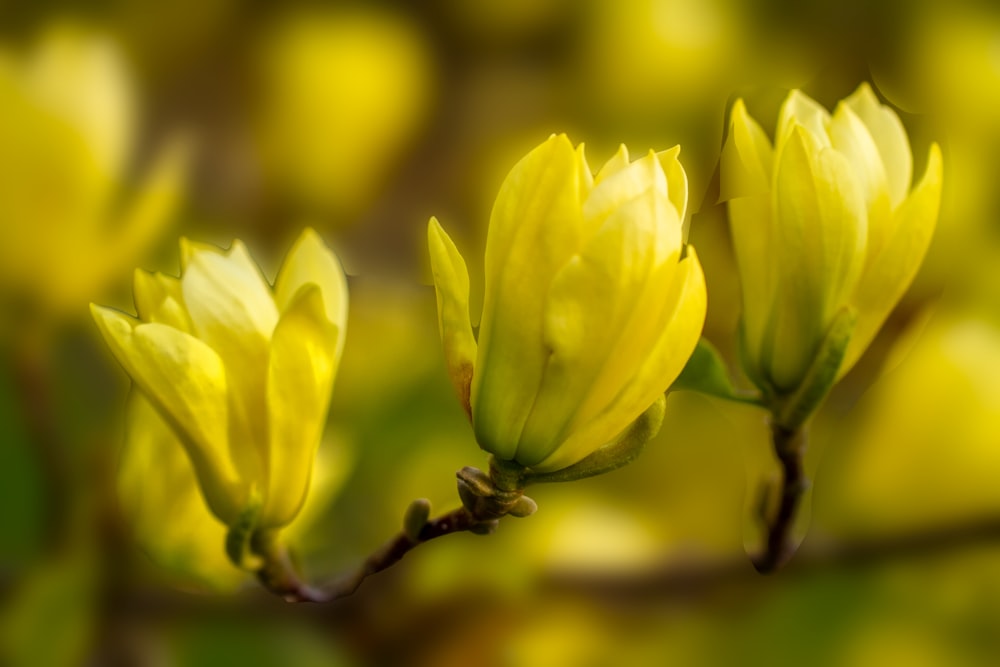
{"type": "Point", "coordinates": [789, 445]}
{"type": "Point", "coordinates": [486, 498]}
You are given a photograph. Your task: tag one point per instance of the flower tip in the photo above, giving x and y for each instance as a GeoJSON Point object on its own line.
{"type": "Point", "coordinates": [111, 322]}
{"type": "Point", "coordinates": [309, 232]}
{"type": "Point", "coordinates": [865, 90]}
{"type": "Point", "coordinates": [434, 230]}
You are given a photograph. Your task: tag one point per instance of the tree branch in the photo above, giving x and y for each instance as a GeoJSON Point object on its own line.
{"type": "Point", "coordinates": [486, 498]}
{"type": "Point", "coordinates": [779, 548]}
{"type": "Point", "coordinates": [278, 574]}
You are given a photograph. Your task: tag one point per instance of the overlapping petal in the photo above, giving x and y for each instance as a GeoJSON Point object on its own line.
{"type": "Point", "coordinates": [584, 278]}
{"type": "Point", "coordinates": [241, 373]}
{"type": "Point", "coordinates": [828, 226]}
{"type": "Point", "coordinates": [538, 207]}
{"type": "Point", "coordinates": [301, 368]}
{"type": "Point", "coordinates": [186, 380]}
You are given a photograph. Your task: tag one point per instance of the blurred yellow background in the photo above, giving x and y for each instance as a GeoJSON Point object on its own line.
{"type": "Point", "coordinates": [217, 119]}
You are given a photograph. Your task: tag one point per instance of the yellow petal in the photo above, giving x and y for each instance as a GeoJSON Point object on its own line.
{"type": "Point", "coordinates": [802, 110]}
{"type": "Point", "coordinates": [232, 310]}
{"type": "Point", "coordinates": [311, 261]}
{"type": "Point", "coordinates": [677, 182]}
{"type": "Point", "coordinates": [597, 319]}
{"type": "Point", "coordinates": [536, 226]}
{"type": "Point", "coordinates": [186, 381]}
{"type": "Point", "coordinates": [583, 171]}
{"type": "Point", "coordinates": [752, 232]}
{"type": "Point", "coordinates": [889, 274]}
{"type": "Point", "coordinates": [149, 212]}
{"type": "Point", "coordinates": [451, 285]}
{"type": "Point", "coordinates": [819, 236]}
{"type": "Point", "coordinates": [852, 139]}
{"type": "Point", "coordinates": [158, 298]}
{"type": "Point", "coordinates": [747, 157]}
{"type": "Point", "coordinates": [682, 323]}
{"type": "Point", "coordinates": [617, 162]}
{"type": "Point", "coordinates": [623, 186]}
{"type": "Point", "coordinates": [227, 297]}
{"type": "Point", "coordinates": [189, 249]}
{"type": "Point", "coordinates": [303, 362]}
{"type": "Point", "coordinates": [890, 137]}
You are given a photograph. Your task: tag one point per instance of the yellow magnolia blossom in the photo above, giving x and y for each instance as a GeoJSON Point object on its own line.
{"type": "Point", "coordinates": [824, 223]}
{"type": "Point", "coordinates": [241, 372]}
{"type": "Point", "coordinates": [593, 303]}
{"type": "Point", "coordinates": [67, 121]}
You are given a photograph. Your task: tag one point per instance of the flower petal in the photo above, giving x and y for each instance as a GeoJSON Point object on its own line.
{"type": "Point", "coordinates": [819, 234]}
{"type": "Point", "coordinates": [610, 299]}
{"type": "Point", "coordinates": [451, 285]}
{"type": "Point", "coordinates": [536, 226]}
{"type": "Point", "coordinates": [158, 298]}
{"type": "Point", "coordinates": [753, 245]}
{"type": "Point", "coordinates": [149, 211]}
{"type": "Point", "coordinates": [303, 363]}
{"type": "Point", "coordinates": [682, 321]}
{"type": "Point", "coordinates": [890, 137]}
{"type": "Point", "coordinates": [623, 186]}
{"type": "Point", "coordinates": [232, 310]}
{"type": "Point", "coordinates": [186, 381]}
{"type": "Point", "coordinates": [852, 139]}
{"type": "Point", "coordinates": [616, 163]}
{"type": "Point", "coordinates": [747, 157]}
{"type": "Point", "coordinates": [802, 110]}
{"type": "Point", "coordinates": [311, 261]}
{"type": "Point", "coordinates": [889, 274]}
{"type": "Point", "coordinates": [597, 320]}
{"type": "Point", "coordinates": [677, 183]}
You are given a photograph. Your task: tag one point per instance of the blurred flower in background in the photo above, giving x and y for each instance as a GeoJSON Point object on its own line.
{"type": "Point", "coordinates": [69, 221]}
{"type": "Point", "coordinates": [342, 93]}
{"type": "Point", "coordinates": [923, 450]}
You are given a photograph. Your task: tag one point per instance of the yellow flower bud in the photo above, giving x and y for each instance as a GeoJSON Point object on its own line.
{"type": "Point", "coordinates": [593, 303]}
{"type": "Point", "coordinates": [241, 372]}
{"type": "Point", "coordinates": [67, 122]}
{"type": "Point", "coordinates": [823, 222]}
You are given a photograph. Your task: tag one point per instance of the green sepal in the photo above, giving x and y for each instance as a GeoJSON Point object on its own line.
{"type": "Point", "coordinates": [241, 533]}
{"type": "Point", "coordinates": [792, 410]}
{"type": "Point", "coordinates": [622, 451]}
{"type": "Point", "coordinates": [706, 373]}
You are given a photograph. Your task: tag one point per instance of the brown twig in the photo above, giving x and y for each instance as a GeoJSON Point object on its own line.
{"type": "Point", "coordinates": [486, 498]}
{"type": "Point", "coordinates": [789, 445]}
{"type": "Point", "coordinates": [278, 574]}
